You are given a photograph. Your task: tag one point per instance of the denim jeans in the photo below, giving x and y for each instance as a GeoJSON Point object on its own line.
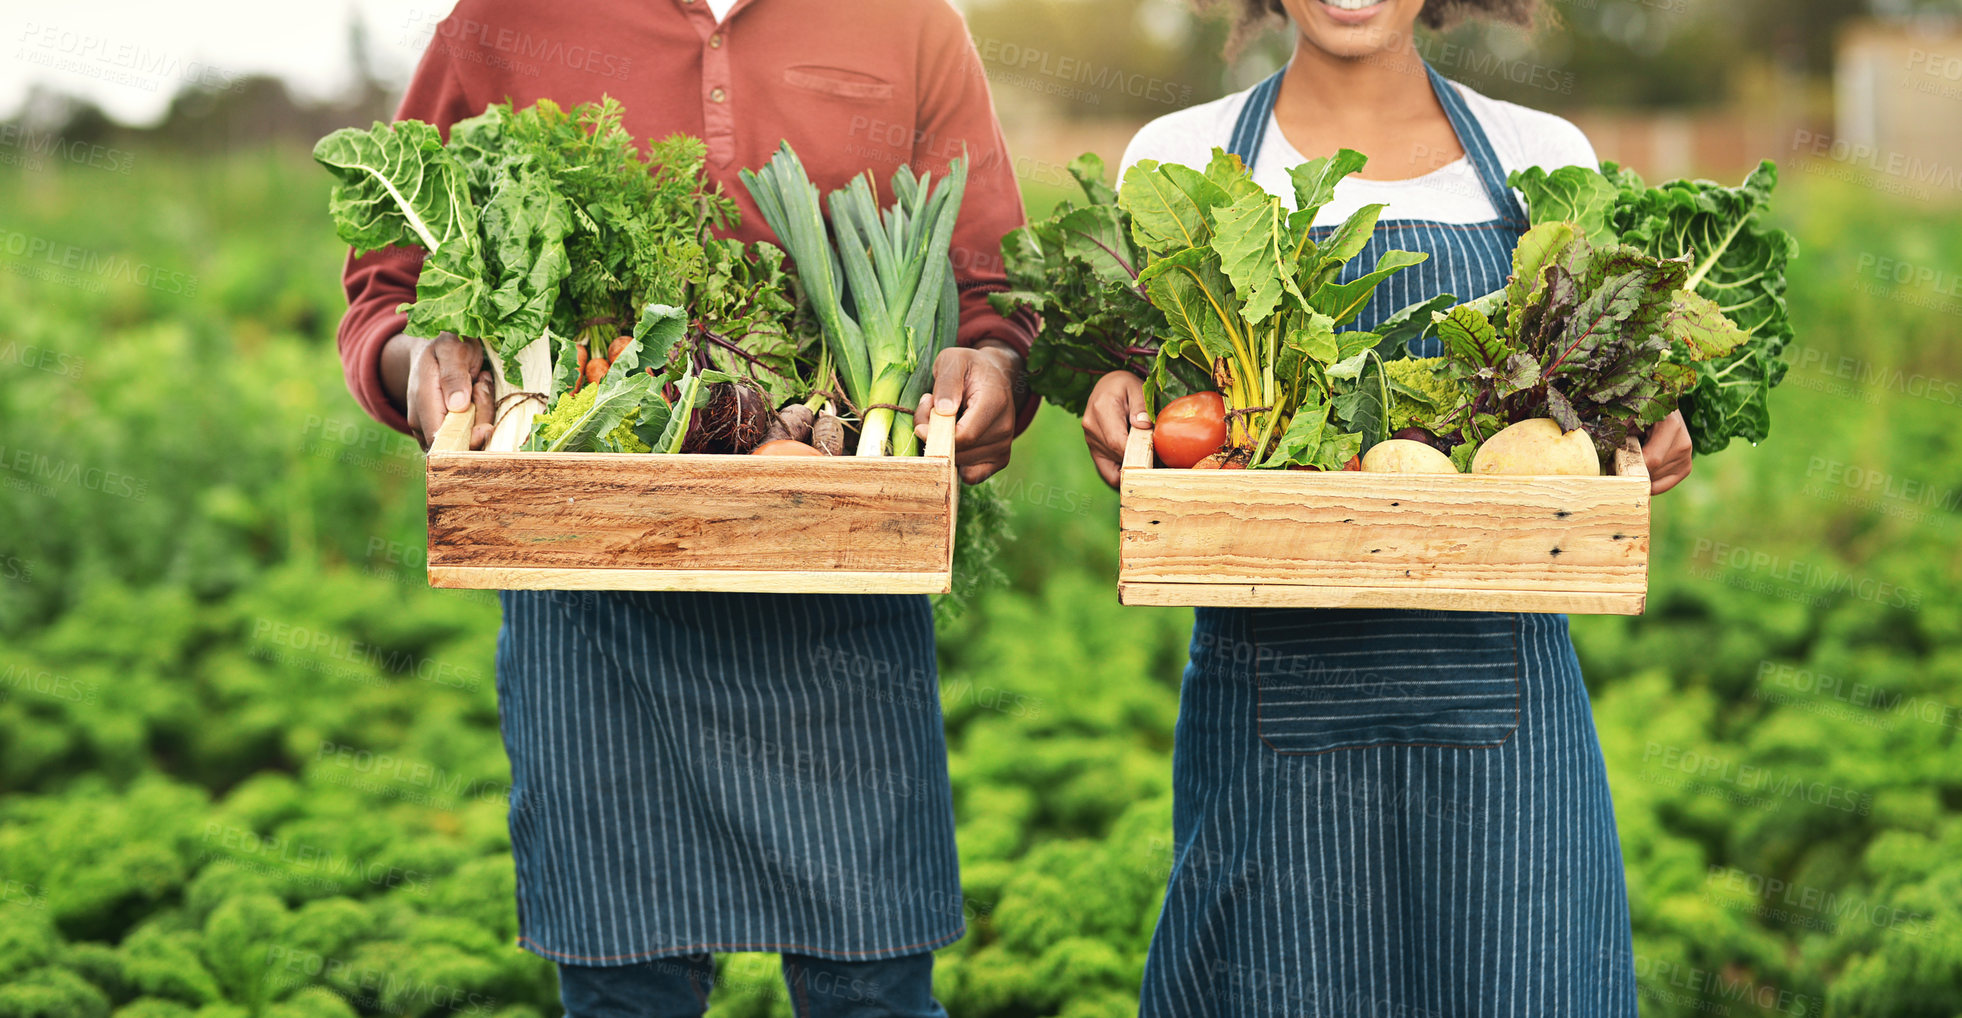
{"type": "Point", "coordinates": [819, 988]}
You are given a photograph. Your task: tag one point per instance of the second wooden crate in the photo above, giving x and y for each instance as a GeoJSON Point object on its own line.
{"type": "Point", "coordinates": [1286, 538]}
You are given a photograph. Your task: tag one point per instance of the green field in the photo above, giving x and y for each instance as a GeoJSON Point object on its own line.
{"type": "Point", "coordinates": [249, 765]}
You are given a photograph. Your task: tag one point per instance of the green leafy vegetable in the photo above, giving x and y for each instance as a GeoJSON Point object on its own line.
{"type": "Point", "coordinates": [1078, 270]}
{"type": "Point", "coordinates": [1736, 261]}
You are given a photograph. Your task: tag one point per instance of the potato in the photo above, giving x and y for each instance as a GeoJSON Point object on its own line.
{"type": "Point", "coordinates": [1537, 446]}
{"type": "Point", "coordinates": [1404, 456]}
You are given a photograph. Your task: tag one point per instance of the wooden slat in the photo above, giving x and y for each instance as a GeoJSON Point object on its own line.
{"type": "Point", "coordinates": [940, 434]}
{"type": "Point", "coordinates": [692, 513]}
{"type": "Point", "coordinates": [1385, 530]}
{"type": "Point", "coordinates": [1629, 461]}
{"type": "Point", "coordinates": [722, 580]}
{"type": "Point", "coordinates": [1137, 449]}
{"type": "Point", "coordinates": [1436, 599]}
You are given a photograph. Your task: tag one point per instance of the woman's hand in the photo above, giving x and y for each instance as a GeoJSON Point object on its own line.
{"type": "Point", "coordinates": [1667, 453]}
{"type": "Point", "coordinates": [979, 383]}
{"type": "Point", "coordinates": [436, 376]}
{"type": "Point", "coordinates": [1116, 406]}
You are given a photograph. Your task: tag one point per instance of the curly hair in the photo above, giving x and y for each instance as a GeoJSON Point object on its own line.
{"type": "Point", "coordinates": [1251, 17]}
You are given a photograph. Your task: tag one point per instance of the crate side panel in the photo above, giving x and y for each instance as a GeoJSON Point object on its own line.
{"type": "Point", "coordinates": [1352, 529]}
{"type": "Point", "coordinates": [688, 512]}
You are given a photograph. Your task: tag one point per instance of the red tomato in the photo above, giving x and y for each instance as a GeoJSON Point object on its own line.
{"type": "Point", "coordinates": [1189, 429]}
{"type": "Point", "coordinates": [1355, 463]}
{"type": "Point", "coordinates": [785, 447]}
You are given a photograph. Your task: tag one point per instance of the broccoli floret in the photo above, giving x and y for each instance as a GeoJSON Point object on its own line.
{"type": "Point", "coordinates": [574, 405]}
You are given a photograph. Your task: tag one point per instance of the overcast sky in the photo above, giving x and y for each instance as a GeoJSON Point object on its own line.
{"type": "Point", "coordinates": [131, 57]}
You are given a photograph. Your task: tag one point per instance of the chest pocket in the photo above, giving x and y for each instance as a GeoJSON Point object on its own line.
{"type": "Point", "coordinates": [838, 83]}
{"type": "Point", "coordinates": [1330, 680]}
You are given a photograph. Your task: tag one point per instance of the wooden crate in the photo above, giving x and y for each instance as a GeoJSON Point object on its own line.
{"type": "Point", "coordinates": [1290, 538]}
{"type": "Point", "coordinates": [609, 521]}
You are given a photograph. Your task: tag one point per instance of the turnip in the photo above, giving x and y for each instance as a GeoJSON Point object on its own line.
{"type": "Point", "coordinates": [1538, 446]}
{"type": "Point", "coordinates": [1404, 456]}
{"type": "Point", "coordinates": [828, 434]}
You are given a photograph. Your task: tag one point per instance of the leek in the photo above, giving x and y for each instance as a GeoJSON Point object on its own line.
{"type": "Point", "coordinates": [891, 264]}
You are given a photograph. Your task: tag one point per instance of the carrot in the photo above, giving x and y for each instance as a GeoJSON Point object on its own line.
{"type": "Point", "coordinates": [579, 351]}
{"type": "Point", "coordinates": [596, 369]}
{"type": "Point", "coordinates": [613, 349]}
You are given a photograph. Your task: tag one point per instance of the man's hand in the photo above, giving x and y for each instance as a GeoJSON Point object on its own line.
{"type": "Point", "coordinates": [1116, 406]}
{"type": "Point", "coordinates": [435, 377]}
{"type": "Point", "coordinates": [979, 383]}
{"type": "Point", "coordinates": [1667, 453]}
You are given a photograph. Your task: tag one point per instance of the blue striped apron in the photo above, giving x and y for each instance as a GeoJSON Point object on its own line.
{"type": "Point", "coordinates": [1391, 812]}
{"type": "Point", "coordinates": [726, 772]}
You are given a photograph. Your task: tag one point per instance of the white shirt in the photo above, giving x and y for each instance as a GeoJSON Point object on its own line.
{"type": "Point", "coordinates": [720, 8]}
{"type": "Point", "coordinates": [1521, 137]}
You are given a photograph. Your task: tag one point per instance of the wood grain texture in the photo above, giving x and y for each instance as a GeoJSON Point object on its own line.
{"type": "Point", "coordinates": [712, 516]}
{"type": "Point", "coordinates": [1300, 596]}
{"type": "Point", "coordinates": [1353, 539]}
{"type": "Point", "coordinates": [724, 580]}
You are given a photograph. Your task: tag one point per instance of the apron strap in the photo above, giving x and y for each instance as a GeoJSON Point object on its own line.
{"type": "Point", "coordinates": [1471, 135]}
{"type": "Point", "coordinates": [1250, 132]}
{"type": "Point", "coordinates": [1251, 129]}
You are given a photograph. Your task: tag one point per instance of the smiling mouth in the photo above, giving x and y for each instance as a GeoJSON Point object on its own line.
{"type": "Point", "coordinates": [1351, 5]}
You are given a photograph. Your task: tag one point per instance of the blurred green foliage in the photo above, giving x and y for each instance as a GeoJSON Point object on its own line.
{"type": "Point", "coordinates": [249, 765]}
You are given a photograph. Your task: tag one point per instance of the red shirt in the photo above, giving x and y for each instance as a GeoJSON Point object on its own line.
{"type": "Point", "coordinates": [867, 84]}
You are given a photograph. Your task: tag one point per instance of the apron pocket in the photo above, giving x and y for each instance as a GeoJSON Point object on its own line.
{"type": "Point", "coordinates": [1341, 679]}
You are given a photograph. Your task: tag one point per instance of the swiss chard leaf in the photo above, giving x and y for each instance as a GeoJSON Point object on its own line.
{"type": "Point", "coordinates": [1170, 205]}
{"type": "Point", "coordinates": [1197, 300]}
{"type": "Point", "coordinates": [1738, 261]}
{"type": "Point", "coordinates": [397, 185]}
{"type": "Point", "coordinates": [1578, 195]}
{"type": "Point", "coordinates": [1254, 244]}
{"type": "Point", "coordinates": [1344, 301]}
